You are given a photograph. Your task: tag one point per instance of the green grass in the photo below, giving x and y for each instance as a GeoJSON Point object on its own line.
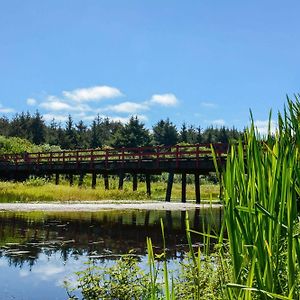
{"type": "Point", "coordinates": [47, 191]}
{"type": "Point", "coordinates": [261, 212]}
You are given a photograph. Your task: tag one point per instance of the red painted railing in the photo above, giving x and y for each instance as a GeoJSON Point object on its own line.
{"type": "Point", "coordinates": [158, 153]}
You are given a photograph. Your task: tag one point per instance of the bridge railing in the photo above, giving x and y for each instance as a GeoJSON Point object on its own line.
{"type": "Point", "coordinates": [157, 153]}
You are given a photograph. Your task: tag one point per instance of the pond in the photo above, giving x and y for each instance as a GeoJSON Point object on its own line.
{"type": "Point", "coordinates": [39, 250]}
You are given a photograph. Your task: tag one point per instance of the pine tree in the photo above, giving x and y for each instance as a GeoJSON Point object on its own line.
{"type": "Point", "coordinates": [133, 134]}
{"type": "Point", "coordinates": [165, 133]}
{"type": "Point", "coordinates": [37, 129]}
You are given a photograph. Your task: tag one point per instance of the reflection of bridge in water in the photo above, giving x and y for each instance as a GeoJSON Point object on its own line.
{"type": "Point", "coordinates": [192, 159]}
{"type": "Point", "coordinates": [104, 235]}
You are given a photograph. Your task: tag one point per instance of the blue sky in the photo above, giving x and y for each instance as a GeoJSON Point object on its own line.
{"type": "Point", "coordinates": [200, 62]}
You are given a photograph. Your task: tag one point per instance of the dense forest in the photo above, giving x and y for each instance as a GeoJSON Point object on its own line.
{"type": "Point", "coordinates": [105, 132]}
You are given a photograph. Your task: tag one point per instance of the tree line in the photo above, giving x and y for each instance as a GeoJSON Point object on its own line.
{"type": "Point", "coordinates": [106, 132]}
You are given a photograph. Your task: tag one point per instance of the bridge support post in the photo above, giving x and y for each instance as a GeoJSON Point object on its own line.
{"type": "Point", "coordinates": [106, 182]}
{"type": "Point", "coordinates": [94, 180]}
{"type": "Point", "coordinates": [169, 187]}
{"type": "Point", "coordinates": [71, 179]}
{"type": "Point", "coordinates": [197, 188]}
{"type": "Point", "coordinates": [134, 182]}
{"type": "Point", "coordinates": [148, 185]}
{"type": "Point", "coordinates": [147, 218]}
{"type": "Point", "coordinates": [183, 187]}
{"type": "Point", "coordinates": [57, 178]}
{"type": "Point", "coordinates": [121, 181]}
{"type": "Point", "coordinates": [80, 181]}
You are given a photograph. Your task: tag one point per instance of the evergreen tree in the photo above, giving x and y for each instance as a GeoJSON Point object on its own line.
{"type": "Point", "coordinates": [70, 141]}
{"type": "Point", "coordinates": [4, 126]}
{"type": "Point", "coordinates": [183, 135]}
{"type": "Point", "coordinates": [133, 134]}
{"type": "Point", "coordinates": [165, 133]}
{"type": "Point", "coordinates": [81, 135]}
{"type": "Point", "coordinates": [37, 129]}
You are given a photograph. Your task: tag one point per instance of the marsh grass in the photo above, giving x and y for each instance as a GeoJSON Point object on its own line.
{"type": "Point", "coordinates": [43, 191]}
{"type": "Point", "coordinates": [261, 212]}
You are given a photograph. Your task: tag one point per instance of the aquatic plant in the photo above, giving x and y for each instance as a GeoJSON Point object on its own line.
{"type": "Point", "coordinates": [261, 211]}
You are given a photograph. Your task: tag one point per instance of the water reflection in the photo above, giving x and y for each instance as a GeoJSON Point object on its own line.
{"type": "Point", "coordinates": [41, 244]}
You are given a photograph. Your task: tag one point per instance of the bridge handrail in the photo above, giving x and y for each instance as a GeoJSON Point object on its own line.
{"type": "Point", "coordinates": [158, 153]}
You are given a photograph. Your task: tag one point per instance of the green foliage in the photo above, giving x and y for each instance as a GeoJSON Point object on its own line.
{"type": "Point", "coordinates": [44, 190]}
{"type": "Point", "coordinates": [165, 133]}
{"type": "Point", "coordinates": [261, 211]}
{"type": "Point", "coordinates": [133, 134]}
{"type": "Point", "coordinates": [198, 277]}
{"type": "Point", "coordinates": [101, 132]}
{"type": "Point", "coordinates": [36, 181]}
{"type": "Point", "coordinates": [19, 145]}
{"type": "Point", "coordinates": [15, 145]}
{"type": "Point", "coordinates": [124, 280]}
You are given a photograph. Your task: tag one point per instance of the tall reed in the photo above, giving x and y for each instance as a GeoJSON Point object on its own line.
{"type": "Point", "coordinates": [261, 211]}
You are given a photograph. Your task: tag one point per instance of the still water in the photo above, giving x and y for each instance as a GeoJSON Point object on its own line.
{"type": "Point", "coordinates": [39, 250]}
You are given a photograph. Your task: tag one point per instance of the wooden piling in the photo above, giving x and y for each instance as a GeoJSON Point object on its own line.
{"type": "Point", "coordinates": [71, 179]}
{"type": "Point", "coordinates": [148, 185]}
{"type": "Point", "coordinates": [80, 181]}
{"type": "Point", "coordinates": [94, 180]}
{"type": "Point", "coordinates": [57, 178]}
{"type": "Point", "coordinates": [121, 181]}
{"type": "Point", "coordinates": [147, 218]}
{"type": "Point", "coordinates": [134, 182]}
{"type": "Point", "coordinates": [169, 186]}
{"type": "Point", "coordinates": [106, 182]}
{"type": "Point", "coordinates": [197, 188]}
{"type": "Point", "coordinates": [183, 187]}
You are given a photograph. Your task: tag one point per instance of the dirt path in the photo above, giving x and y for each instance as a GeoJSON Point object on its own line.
{"type": "Point", "coordinates": [96, 206]}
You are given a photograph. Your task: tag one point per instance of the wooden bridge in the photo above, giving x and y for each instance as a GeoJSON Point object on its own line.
{"type": "Point", "coordinates": [179, 159]}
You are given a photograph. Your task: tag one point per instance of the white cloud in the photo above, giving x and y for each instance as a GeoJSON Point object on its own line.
{"type": "Point", "coordinates": [218, 122]}
{"type": "Point", "coordinates": [124, 120]}
{"type": "Point", "coordinates": [93, 93]}
{"type": "Point", "coordinates": [31, 101]}
{"type": "Point", "coordinates": [53, 103]}
{"type": "Point", "coordinates": [262, 126]}
{"type": "Point", "coordinates": [56, 105]}
{"type": "Point", "coordinates": [209, 104]}
{"type": "Point", "coordinates": [164, 99]}
{"type": "Point", "coordinates": [127, 107]}
{"type": "Point", "coordinates": [50, 117]}
{"type": "Point", "coordinates": [142, 118]}
{"type": "Point", "coordinates": [46, 271]}
{"type": "Point", "coordinates": [6, 110]}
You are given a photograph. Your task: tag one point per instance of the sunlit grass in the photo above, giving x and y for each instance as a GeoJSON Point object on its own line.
{"type": "Point", "coordinates": [13, 192]}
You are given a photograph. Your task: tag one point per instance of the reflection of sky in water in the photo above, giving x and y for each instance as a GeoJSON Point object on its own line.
{"type": "Point", "coordinates": [40, 252]}
{"type": "Point", "coordinates": [44, 281]}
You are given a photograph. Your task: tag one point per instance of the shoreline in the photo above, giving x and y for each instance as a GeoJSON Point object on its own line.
{"type": "Point", "coordinates": [93, 206]}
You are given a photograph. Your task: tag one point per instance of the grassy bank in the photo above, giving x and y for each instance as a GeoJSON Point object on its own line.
{"type": "Point", "coordinates": [42, 191]}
